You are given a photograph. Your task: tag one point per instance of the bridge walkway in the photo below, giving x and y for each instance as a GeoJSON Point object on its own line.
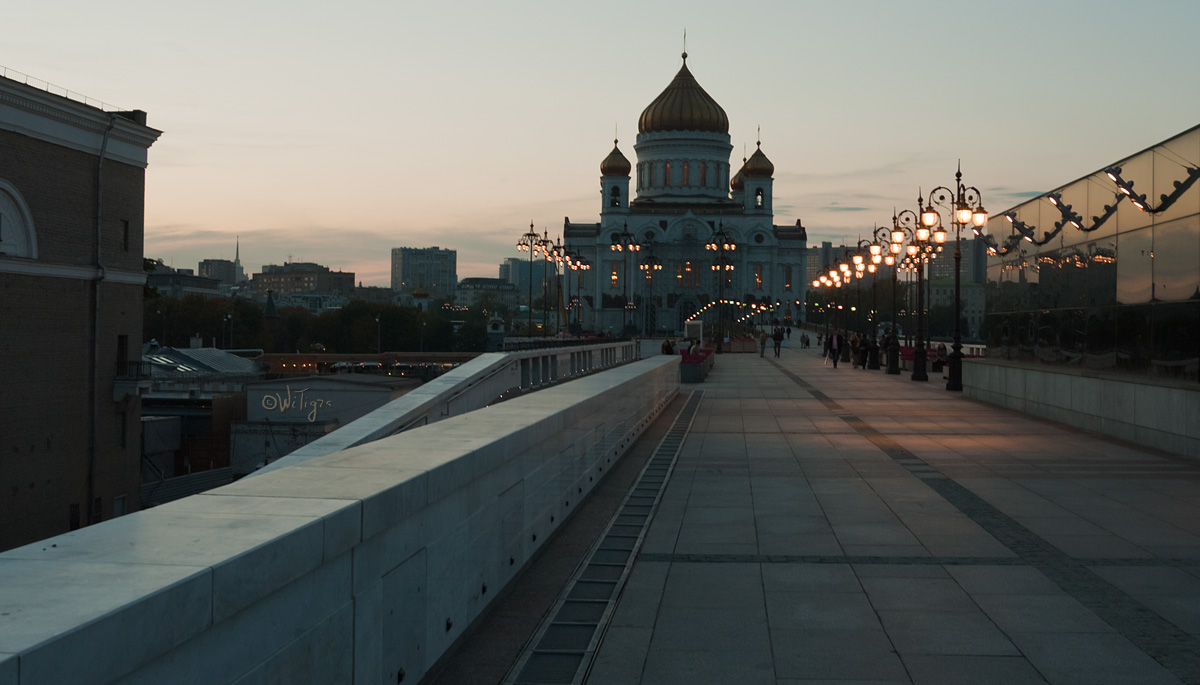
{"type": "Point", "coordinates": [825, 525]}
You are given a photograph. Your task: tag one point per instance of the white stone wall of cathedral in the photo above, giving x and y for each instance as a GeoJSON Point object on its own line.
{"type": "Point", "coordinates": [696, 149]}
{"type": "Point", "coordinates": [683, 240]}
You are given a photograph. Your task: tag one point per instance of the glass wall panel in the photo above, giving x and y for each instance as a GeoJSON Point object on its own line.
{"type": "Point", "coordinates": [1135, 253]}
{"type": "Point", "coordinates": [1124, 297]}
{"type": "Point", "coordinates": [1102, 195]}
{"type": "Point", "coordinates": [1139, 171]}
{"type": "Point", "coordinates": [1133, 338]}
{"type": "Point", "coordinates": [1100, 352]}
{"type": "Point", "coordinates": [1176, 340]}
{"type": "Point", "coordinates": [1170, 167]}
{"type": "Point", "coordinates": [1102, 273]}
{"type": "Point", "coordinates": [1177, 259]}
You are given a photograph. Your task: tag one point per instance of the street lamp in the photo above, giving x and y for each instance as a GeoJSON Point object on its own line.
{"type": "Point", "coordinates": [228, 326]}
{"type": "Point", "coordinates": [378, 336]}
{"type": "Point", "coordinates": [545, 248]}
{"type": "Point", "coordinates": [966, 207]}
{"type": "Point", "coordinates": [529, 243]}
{"type": "Point", "coordinates": [624, 242]}
{"type": "Point", "coordinates": [648, 266]}
{"type": "Point", "coordinates": [721, 242]}
{"type": "Point", "coordinates": [908, 222]}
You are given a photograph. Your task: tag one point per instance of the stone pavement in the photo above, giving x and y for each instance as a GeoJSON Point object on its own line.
{"type": "Point", "coordinates": [846, 526]}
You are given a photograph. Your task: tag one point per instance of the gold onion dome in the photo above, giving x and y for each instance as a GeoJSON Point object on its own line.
{"type": "Point", "coordinates": [737, 183]}
{"type": "Point", "coordinates": [684, 106]}
{"type": "Point", "coordinates": [615, 163]}
{"type": "Point", "coordinates": [758, 165]}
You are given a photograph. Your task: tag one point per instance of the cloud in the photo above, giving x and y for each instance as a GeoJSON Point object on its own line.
{"type": "Point", "coordinates": [842, 208]}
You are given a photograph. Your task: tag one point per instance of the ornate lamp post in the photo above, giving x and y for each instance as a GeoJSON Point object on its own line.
{"type": "Point", "coordinates": [624, 243]}
{"type": "Point", "coordinates": [546, 250]}
{"type": "Point", "coordinates": [529, 242]}
{"type": "Point", "coordinates": [721, 242]}
{"type": "Point", "coordinates": [890, 245]}
{"type": "Point", "coordinates": [648, 266]}
{"type": "Point", "coordinates": [966, 207]}
{"type": "Point", "coordinates": [912, 224]}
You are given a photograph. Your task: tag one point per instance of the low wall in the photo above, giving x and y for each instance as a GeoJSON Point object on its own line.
{"type": "Point", "coordinates": [471, 386]}
{"type": "Point", "coordinates": [1126, 407]}
{"type": "Point", "coordinates": [361, 566]}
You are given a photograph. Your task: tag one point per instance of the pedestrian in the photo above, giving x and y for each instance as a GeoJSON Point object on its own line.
{"type": "Point", "coordinates": [854, 345]}
{"type": "Point", "coordinates": [778, 337]}
{"type": "Point", "coordinates": [789, 333]}
{"type": "Point", "coordinates": [835, 342]}
{"type": "Point", "coordinates": [762, 343]}
{"type": "Point", "coordinates": [668, 347]}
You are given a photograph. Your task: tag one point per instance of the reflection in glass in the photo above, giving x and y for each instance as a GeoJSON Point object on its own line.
{"type": "Point", "coordinates": [1133, 338]}
{"type": "Point", "coordinates": [1101, 347]}
{"type": "Point", "coordinates": [1135, 258]}
{"type": "Point", "coordinates": [1177, 260]}
{"type": "Point", "coordinates": [1176, 342]}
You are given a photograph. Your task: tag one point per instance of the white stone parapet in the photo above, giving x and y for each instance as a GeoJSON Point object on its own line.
{"type": "Point", "coordinates": [346, 568]}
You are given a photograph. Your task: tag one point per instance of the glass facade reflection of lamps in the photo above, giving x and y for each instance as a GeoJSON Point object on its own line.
{"type": "Point", "coordinates": [966, 207]}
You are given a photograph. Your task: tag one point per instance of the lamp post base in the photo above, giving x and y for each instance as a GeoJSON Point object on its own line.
{"type": "Point", "coordinates": [918, 373]}
{"type": "Point", "coordinates": [893, 358]}
{"type": "Point", "coordinates": [954, 382]}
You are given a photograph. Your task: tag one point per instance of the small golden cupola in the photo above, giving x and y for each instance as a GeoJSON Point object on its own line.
{"type": "Point", "coordinates": [615, 164]}
{"type": "Point", "coordinates": [758, 166]}
{"type": "Point", "coordinates": [738, 182]}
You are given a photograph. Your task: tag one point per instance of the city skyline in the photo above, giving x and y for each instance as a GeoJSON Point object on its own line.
{"type": "Point", "coordinates": [333, 137]}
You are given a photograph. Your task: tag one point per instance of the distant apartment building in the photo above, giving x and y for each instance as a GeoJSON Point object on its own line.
{"type": "Point", "coordinates": [170, 282]}
{"type": "Point", "coordinates": [527, 276]}
{"type": "Point", "coordinates": [303, 277]}
{"type": "Point", "coordinates": [475, 291]}
{"type": "Point", "coordinates": [973, 266]}
{"type": "Point", "coordinates": [72, 197]}
{"type": "Point", "coordinates": [226, 271]}
{"type": "Point", "coordinates": [433, 268]}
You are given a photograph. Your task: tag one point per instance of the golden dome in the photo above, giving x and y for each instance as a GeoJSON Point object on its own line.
{"type": "Point", "coordinates": [615, 163]}
{"type": "Point", "coordinates": [684, 106]}
{"type": "Point", "coordinates": [758, 165]}
{"type": "Point", "coordinates": [737, 183]}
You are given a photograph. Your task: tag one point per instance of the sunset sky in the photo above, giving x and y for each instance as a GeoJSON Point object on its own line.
{"type": "Point", "coordinates": [333, 132]}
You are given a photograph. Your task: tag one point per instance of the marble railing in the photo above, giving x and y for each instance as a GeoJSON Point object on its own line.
{"type": "Point", "coordinates": [360, 566]}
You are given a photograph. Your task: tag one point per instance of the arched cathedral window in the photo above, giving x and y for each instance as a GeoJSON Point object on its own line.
{"type": "Point", "coordinates": [615, 200]}
{"type": "Point", "coordinates": [17, 236]}
{"type": "Point", "coordinates": [758, 198]}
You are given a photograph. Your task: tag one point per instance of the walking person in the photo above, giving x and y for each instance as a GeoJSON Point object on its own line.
{"type": "Point", "coordinates": [835, 343]}
{"type": "Point", "coordinates": [778, 337]}
{"type": "Point", "coordinates": [762, 343]}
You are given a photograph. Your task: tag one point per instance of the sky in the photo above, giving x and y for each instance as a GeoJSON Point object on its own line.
{"type": "Point", "coordinates": [333, 132]}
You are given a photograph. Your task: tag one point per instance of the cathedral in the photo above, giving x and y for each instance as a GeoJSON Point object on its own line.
{"type": "Point", "coordinates": [686, 203]}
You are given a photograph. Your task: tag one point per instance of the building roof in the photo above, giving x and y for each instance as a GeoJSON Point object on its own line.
{"type": "Point", "coordinates": [684, 106]}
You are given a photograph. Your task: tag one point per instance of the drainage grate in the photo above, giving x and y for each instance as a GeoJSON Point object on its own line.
{"type": "Point", "coordinates": [562, 649]}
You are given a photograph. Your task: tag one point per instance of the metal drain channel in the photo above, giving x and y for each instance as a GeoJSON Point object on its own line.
{"type": "Point", "coordinates": [562, 649]}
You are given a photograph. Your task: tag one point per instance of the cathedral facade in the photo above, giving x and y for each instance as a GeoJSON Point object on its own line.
{"type": "Point", "coordinates": [685, 196]}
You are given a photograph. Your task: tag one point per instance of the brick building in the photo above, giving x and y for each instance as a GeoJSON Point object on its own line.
{"type": "Point", "coordinates": [72, 185]}
{"type": "Point", "coordinates": [303, 277]}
